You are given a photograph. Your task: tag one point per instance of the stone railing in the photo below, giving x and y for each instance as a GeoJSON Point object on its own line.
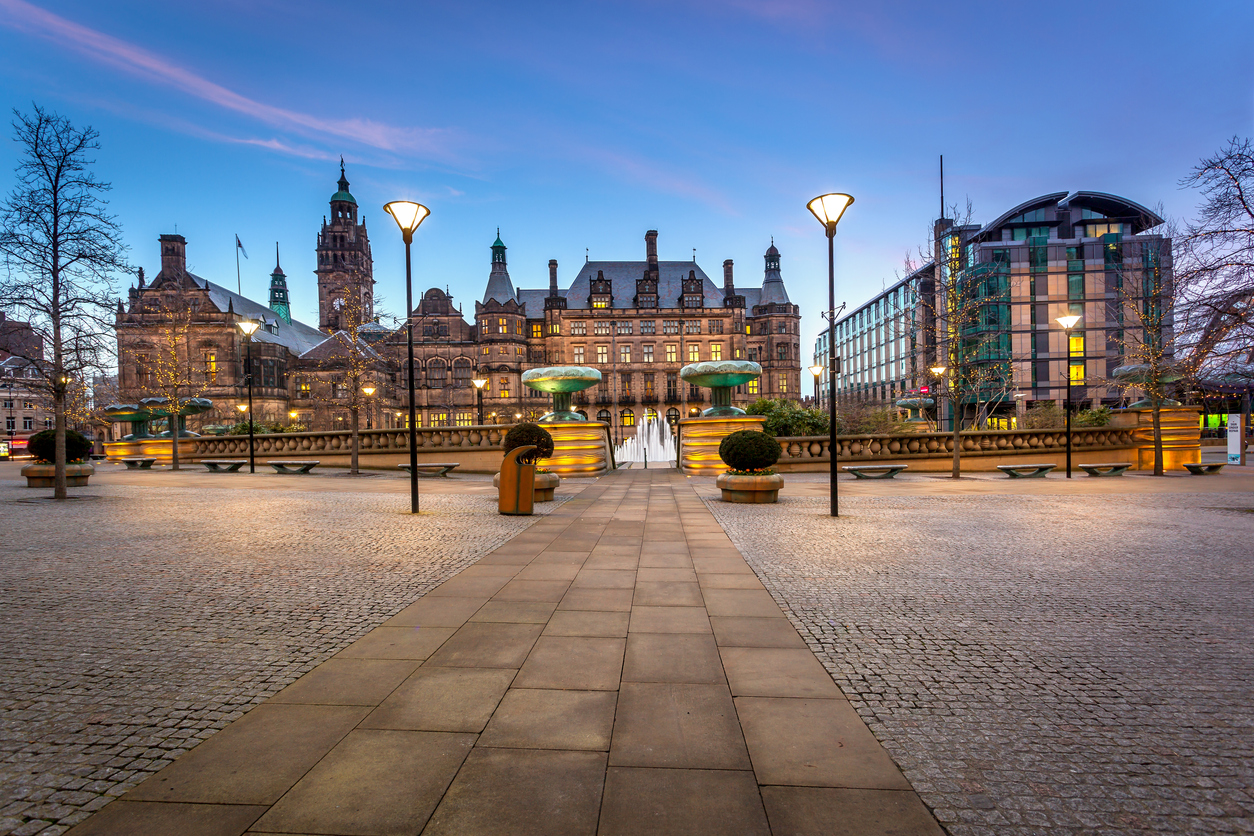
{"type": "Point", "coordinates": [369, 441]}
{"type": "Point", "coordinates": [984, 450]}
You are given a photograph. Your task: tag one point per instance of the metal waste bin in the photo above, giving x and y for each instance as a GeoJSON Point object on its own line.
{"type": "Point", "coordinates": [516, 495]}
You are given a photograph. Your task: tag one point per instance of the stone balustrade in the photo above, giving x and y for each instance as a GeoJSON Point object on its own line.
{"type": "Point", "coordinates": [369, 441]}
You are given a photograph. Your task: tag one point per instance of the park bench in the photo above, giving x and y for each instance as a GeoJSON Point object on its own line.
{"type": "Point", "coordinates": [1107, 469]}
{"type": "Point", "coordinates": [1026, 471]}
{"type": "Point", "coordinates": [138, 463]}
{"type": "Point", "coordinates": [433, 468]}
{"type": "Point", "coordinates": [875, 471]}
{"type": "Point", "coordinates": [286, 467]}
{"type": "Point", "coordinates": [1203, 469]}
{"type": "Point", "coordinates": [224, 465]}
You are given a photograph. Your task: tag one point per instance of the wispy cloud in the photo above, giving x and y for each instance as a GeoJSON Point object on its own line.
{"type": "Point", "coordinates": [25, 17]}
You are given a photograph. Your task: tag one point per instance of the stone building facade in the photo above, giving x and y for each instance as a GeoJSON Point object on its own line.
{"type": "Point", "coordinates": [638, 322]}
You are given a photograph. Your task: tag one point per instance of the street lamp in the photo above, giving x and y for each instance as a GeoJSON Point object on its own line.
{"type": "Point", "coordinates": [480, 382]}
{"type": "Point", "coordinates": [248, 327]}
{"type": "Point", "coordinates": [817, 371]}
{"type": "Point", "coordinates": [368, 390]}
{"type": "Point", "coordinates": [1068, 322]}
{"type": "Point", "coordinates": [939, 373]}
{"type": "Point", "coordinates": [408, 215]}
{"type": "Point", "coordinates": [828, 209]}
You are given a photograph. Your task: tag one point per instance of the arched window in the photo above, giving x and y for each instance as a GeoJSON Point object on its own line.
{"type": "Point", "coordinates": [582, 412]}
{"type": "Point", "coordinates": [437, 371]}
{"type": "Point", "coordinates": [628, 418]}
{"type": "Point", "coordinates": [672, 416]}
{"type": "Point", "coordinates": [604, 416]}
{"type": "Point", "coordinates": [650, 415]}
{"type": "Point", "coordinates": [461, 373]}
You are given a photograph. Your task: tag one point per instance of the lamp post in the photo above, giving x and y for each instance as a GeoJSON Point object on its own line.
{"type": "Point", "coordinates": [247, 327]}
{"type": "Point", "coordinates": [368, 390]}
{"type": "Point", "coordinates": [828, 209]}
{"type": "Point", "coordinates": [939, 373]}
{"type": "Point", "coordinates": [1067, 323]}
{"type": "Point", "coordinates": [408, 216]}
{"type": "Point", "coordinates": [479, 383]}
{"type": "Point", "coordinates": [817, 371]}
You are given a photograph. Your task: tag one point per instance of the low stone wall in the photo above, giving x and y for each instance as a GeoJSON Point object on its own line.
{"type": "Point", "coordinates": [476, 449]}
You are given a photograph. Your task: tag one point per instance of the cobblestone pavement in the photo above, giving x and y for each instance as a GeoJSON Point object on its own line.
{"type": "Point", "coordinates": [1035, 664]}
{"type": "Point", "coordinates": [137, 622]}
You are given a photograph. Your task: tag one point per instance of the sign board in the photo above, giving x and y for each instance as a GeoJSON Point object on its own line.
{"type": "Point", "coordinates": [1236, 437]}
{"type": "Point", "coordinates": [4, 449]}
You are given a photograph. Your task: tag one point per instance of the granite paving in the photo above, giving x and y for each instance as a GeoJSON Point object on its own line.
{"type": "Point", "coordinates": [1035, 664]}
{"type": "Point", "coordinates": [137, 621]}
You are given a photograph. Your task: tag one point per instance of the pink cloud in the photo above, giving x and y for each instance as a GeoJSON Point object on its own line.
{"type": "Point", "coordinates": [31, 19]}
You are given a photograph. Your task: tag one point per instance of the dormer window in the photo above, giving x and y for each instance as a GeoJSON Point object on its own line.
{"type": "Point", "coordinates": [600, 301]}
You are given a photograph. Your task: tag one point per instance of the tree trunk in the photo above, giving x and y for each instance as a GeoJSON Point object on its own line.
{"type": "Point", "coordinates": [58, 411]}
{"type": "Point", "coordinates": [353, 468]}
{"type": "Point", "coordinates": [174, 442]}
{"type": "Point", "coordinates": [957, 470]}
{"type": "Point", "coordinates": [1158, 438]}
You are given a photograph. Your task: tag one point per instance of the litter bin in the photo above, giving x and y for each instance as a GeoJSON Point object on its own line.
{"type": "Point", "coordinates": [516, 495]}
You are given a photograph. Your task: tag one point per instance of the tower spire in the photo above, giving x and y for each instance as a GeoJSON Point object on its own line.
{"type": "Point", "coordinates": [278, 290]}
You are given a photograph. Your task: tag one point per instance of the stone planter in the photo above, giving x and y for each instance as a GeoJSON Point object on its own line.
{"type": "Point", "coordinates": [45, 475]}
{"type": "Point", "coordinates": [750, 489]}
{"type": "Point", "coordinates": [545, 484]}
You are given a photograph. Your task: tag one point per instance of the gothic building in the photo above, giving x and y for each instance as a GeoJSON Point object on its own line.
{"type": "Point", "coordinates": [638, 322]}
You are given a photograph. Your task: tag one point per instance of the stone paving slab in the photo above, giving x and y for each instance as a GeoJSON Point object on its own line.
{"type": "Point", "coordinates": [1037, 663]}
{"type": "Point", "coordinates": [543, 705]}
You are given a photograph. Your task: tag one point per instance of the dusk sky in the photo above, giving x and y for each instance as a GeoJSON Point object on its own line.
{"type": "Point", "coordinates": [581, 125]}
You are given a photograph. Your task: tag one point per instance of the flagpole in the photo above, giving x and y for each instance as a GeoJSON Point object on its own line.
{"type": "Point", "coordinates": [239, 285]}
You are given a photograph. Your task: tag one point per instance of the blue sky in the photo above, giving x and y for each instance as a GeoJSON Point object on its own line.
{"type": "Point", "coordinates": [581, 125]}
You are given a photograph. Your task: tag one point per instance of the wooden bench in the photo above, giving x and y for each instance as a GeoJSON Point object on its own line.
{"type": "Point", "coordinates": [224, 465]}
{"type": "Point", "coordinates": [1108, 469]}
{"type": "Point", "coordinates": [286, 467]}
{"type": "Point", "coordinates": [875, 471]}
{"type": "Point", "coordinates": [433, 468]}
{"type": "Point", "coordinates": [138, 463]}
{"type": "Point", "coordinates": [1026, 471]}
{"type": "Point", "coordinates": [1203, 469]}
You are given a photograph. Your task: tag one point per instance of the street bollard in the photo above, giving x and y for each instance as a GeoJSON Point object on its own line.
{"type": "Point", "coordinates": [516, 495]}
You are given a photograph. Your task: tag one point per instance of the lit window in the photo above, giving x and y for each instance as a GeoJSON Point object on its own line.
{"type": "Point", "coordinates": [1077, 371]}
{"type": "Point", "coordinates": [628, 418]}
{"type": "Point", "coordinates": [648, 353]}
{"type": "Point", "coordinates": [783, 383]}
{"type": "Point", "coordinates": [485, 351]}
{"type": "Point", "coordinates": [1076, 346]}
{"type": "Point", "coordinates": [694, 353]}
{"type": "Point", "coordinates": [624, 354]}
{"type": "Point", "coordinates": [555, 328]}
{"type": "Point", "coordinates": [537, 330]}
{"type": "Point", "coordinates": [578, 354]}
{"type": "Point", "coordinates": [504, 388]}
{"type": "Point", "coordinates": [716, 352]}
{"type": "Point", "coordinates": [518, 327]}
{"type": "Point", "coordinates": [465, 419]}
{"type": "Point", "coordinates": [600, 303]}
{"type": "Point", "coordinates": [211, 366]}
{"type": "Point", "coordinates": [650, 415]}
{"type": "Point", "coordinates": [672, 353]}
{"type": "Point", "coordinates": [603, 354]}
{"type": "Point", "coordinates": [502, 326]}
{"type": "Point", "coordinates": [753, 386]}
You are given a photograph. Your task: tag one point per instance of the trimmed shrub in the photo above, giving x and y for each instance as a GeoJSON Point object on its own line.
{"type": "Point", "coordinates": [787, 418]}
{"type": "Point", "coordinates": [43, 446]}
{"type": "Point", "coordinates": [524, 434]}
{"type": "Point", "coordinates": [748, 450]}
{"type": "Point", "coordinates": [1044, 415]}
{"type": "Point", "coordinates": [1099, 417]}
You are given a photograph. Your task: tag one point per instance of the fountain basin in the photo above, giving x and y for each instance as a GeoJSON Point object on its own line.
{"type": "Point", "coordinates": [720, 376]}
{"type": "Point", "coordinates": [561, 382]}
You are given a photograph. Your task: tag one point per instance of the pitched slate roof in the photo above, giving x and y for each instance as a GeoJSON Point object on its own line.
{"type": "Point", "coordinates": [624, 275]}
{"type": "Point", "coordinates": [296, 336]}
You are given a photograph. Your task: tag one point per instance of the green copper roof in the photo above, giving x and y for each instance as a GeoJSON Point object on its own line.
{"type": "Point", "coordinates": [498, 242]}
{"type": "Point", "coordinates": [343, 195]}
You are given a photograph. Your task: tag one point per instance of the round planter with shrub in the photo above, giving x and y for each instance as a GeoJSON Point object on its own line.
{"type": "Point", "coordinates": [43, 447]}
{"type": "Point", "coordinates": [751, 455]}
{"type": "Point", "coordinates": [536, 435]}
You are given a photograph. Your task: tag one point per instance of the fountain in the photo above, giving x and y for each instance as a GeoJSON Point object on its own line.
{"type": "Point", "coordinates": [580, 447]}
{"type": "Point", "coordinates": [916, 407]}
{"type": "Point", "coordinates": [194, 406]}
{"type": "Point", "coordinates": [653, 442]}
{"type": "Point", "coordinates": [720, 376]}
{"type": "Point", "coordinates": [561, 382]}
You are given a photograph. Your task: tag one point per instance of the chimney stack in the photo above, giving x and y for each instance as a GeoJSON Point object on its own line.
{"type": "Point", "coordinates": [553, 277]}
{"type": "Point", "coordinates": [729, 286]}
{"type": "Point", "coordinates": [173, 254]}
{"type": "Point", "coordinates": [650, 248]}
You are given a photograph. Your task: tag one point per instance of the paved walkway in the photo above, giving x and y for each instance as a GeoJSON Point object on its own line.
{"type": "Point", "coordinates": [615, 669]}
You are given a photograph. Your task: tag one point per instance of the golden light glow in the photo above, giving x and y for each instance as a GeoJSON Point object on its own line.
{"type": "Point", "coordinates": [292, 415]}
{"type": "Point", "coordinates": [479, 382]}
{"type": "Point", "coordinates": [816, 370]}
{"type": "Point", "coordinates": [242, 407]}
{"type": "Point", "coordinates": [1068, 322]}
{"type": "Point", "coordinates": [248, 326]}
{"type": "Point", "coordinates": [368, 389]}
{"type": "Point", "coordinates": [829, 207]}
{"type": "Point", "coordinates": [939, 370]}
{"type": "Point", "coordinates": [407, 214]}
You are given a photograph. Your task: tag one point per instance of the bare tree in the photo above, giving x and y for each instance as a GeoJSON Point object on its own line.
{"type": "Point", "coordinates": [355, 367]}
{"type": "Point", "coordinates": [963, 319]}
{"type": "Point", "coordinates": [60, 248]}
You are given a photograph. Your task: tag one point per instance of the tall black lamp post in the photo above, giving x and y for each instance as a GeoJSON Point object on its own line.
{"type": "Point", "coordinates": [479, 383]}
{"type": "Point", "coordinates": [1067, 323]}
{"type": "Point", "coordinates": [817, 371]}
{"type": "Point", "coordinates": [828, 209]}
{"type": "Point", "coordinates": [938, 375]}
{"type": "Point", "coordinates": [247, 327]}
{"type": "Point", "coordinates": [408, 216]}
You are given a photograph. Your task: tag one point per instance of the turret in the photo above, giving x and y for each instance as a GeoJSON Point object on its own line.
{"type": "Point", "coordinates": [499, 287]}
{"type": "Point", "coordinates": [278, 290]}
{"type": "Point", "coordinates": [773, 292]}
